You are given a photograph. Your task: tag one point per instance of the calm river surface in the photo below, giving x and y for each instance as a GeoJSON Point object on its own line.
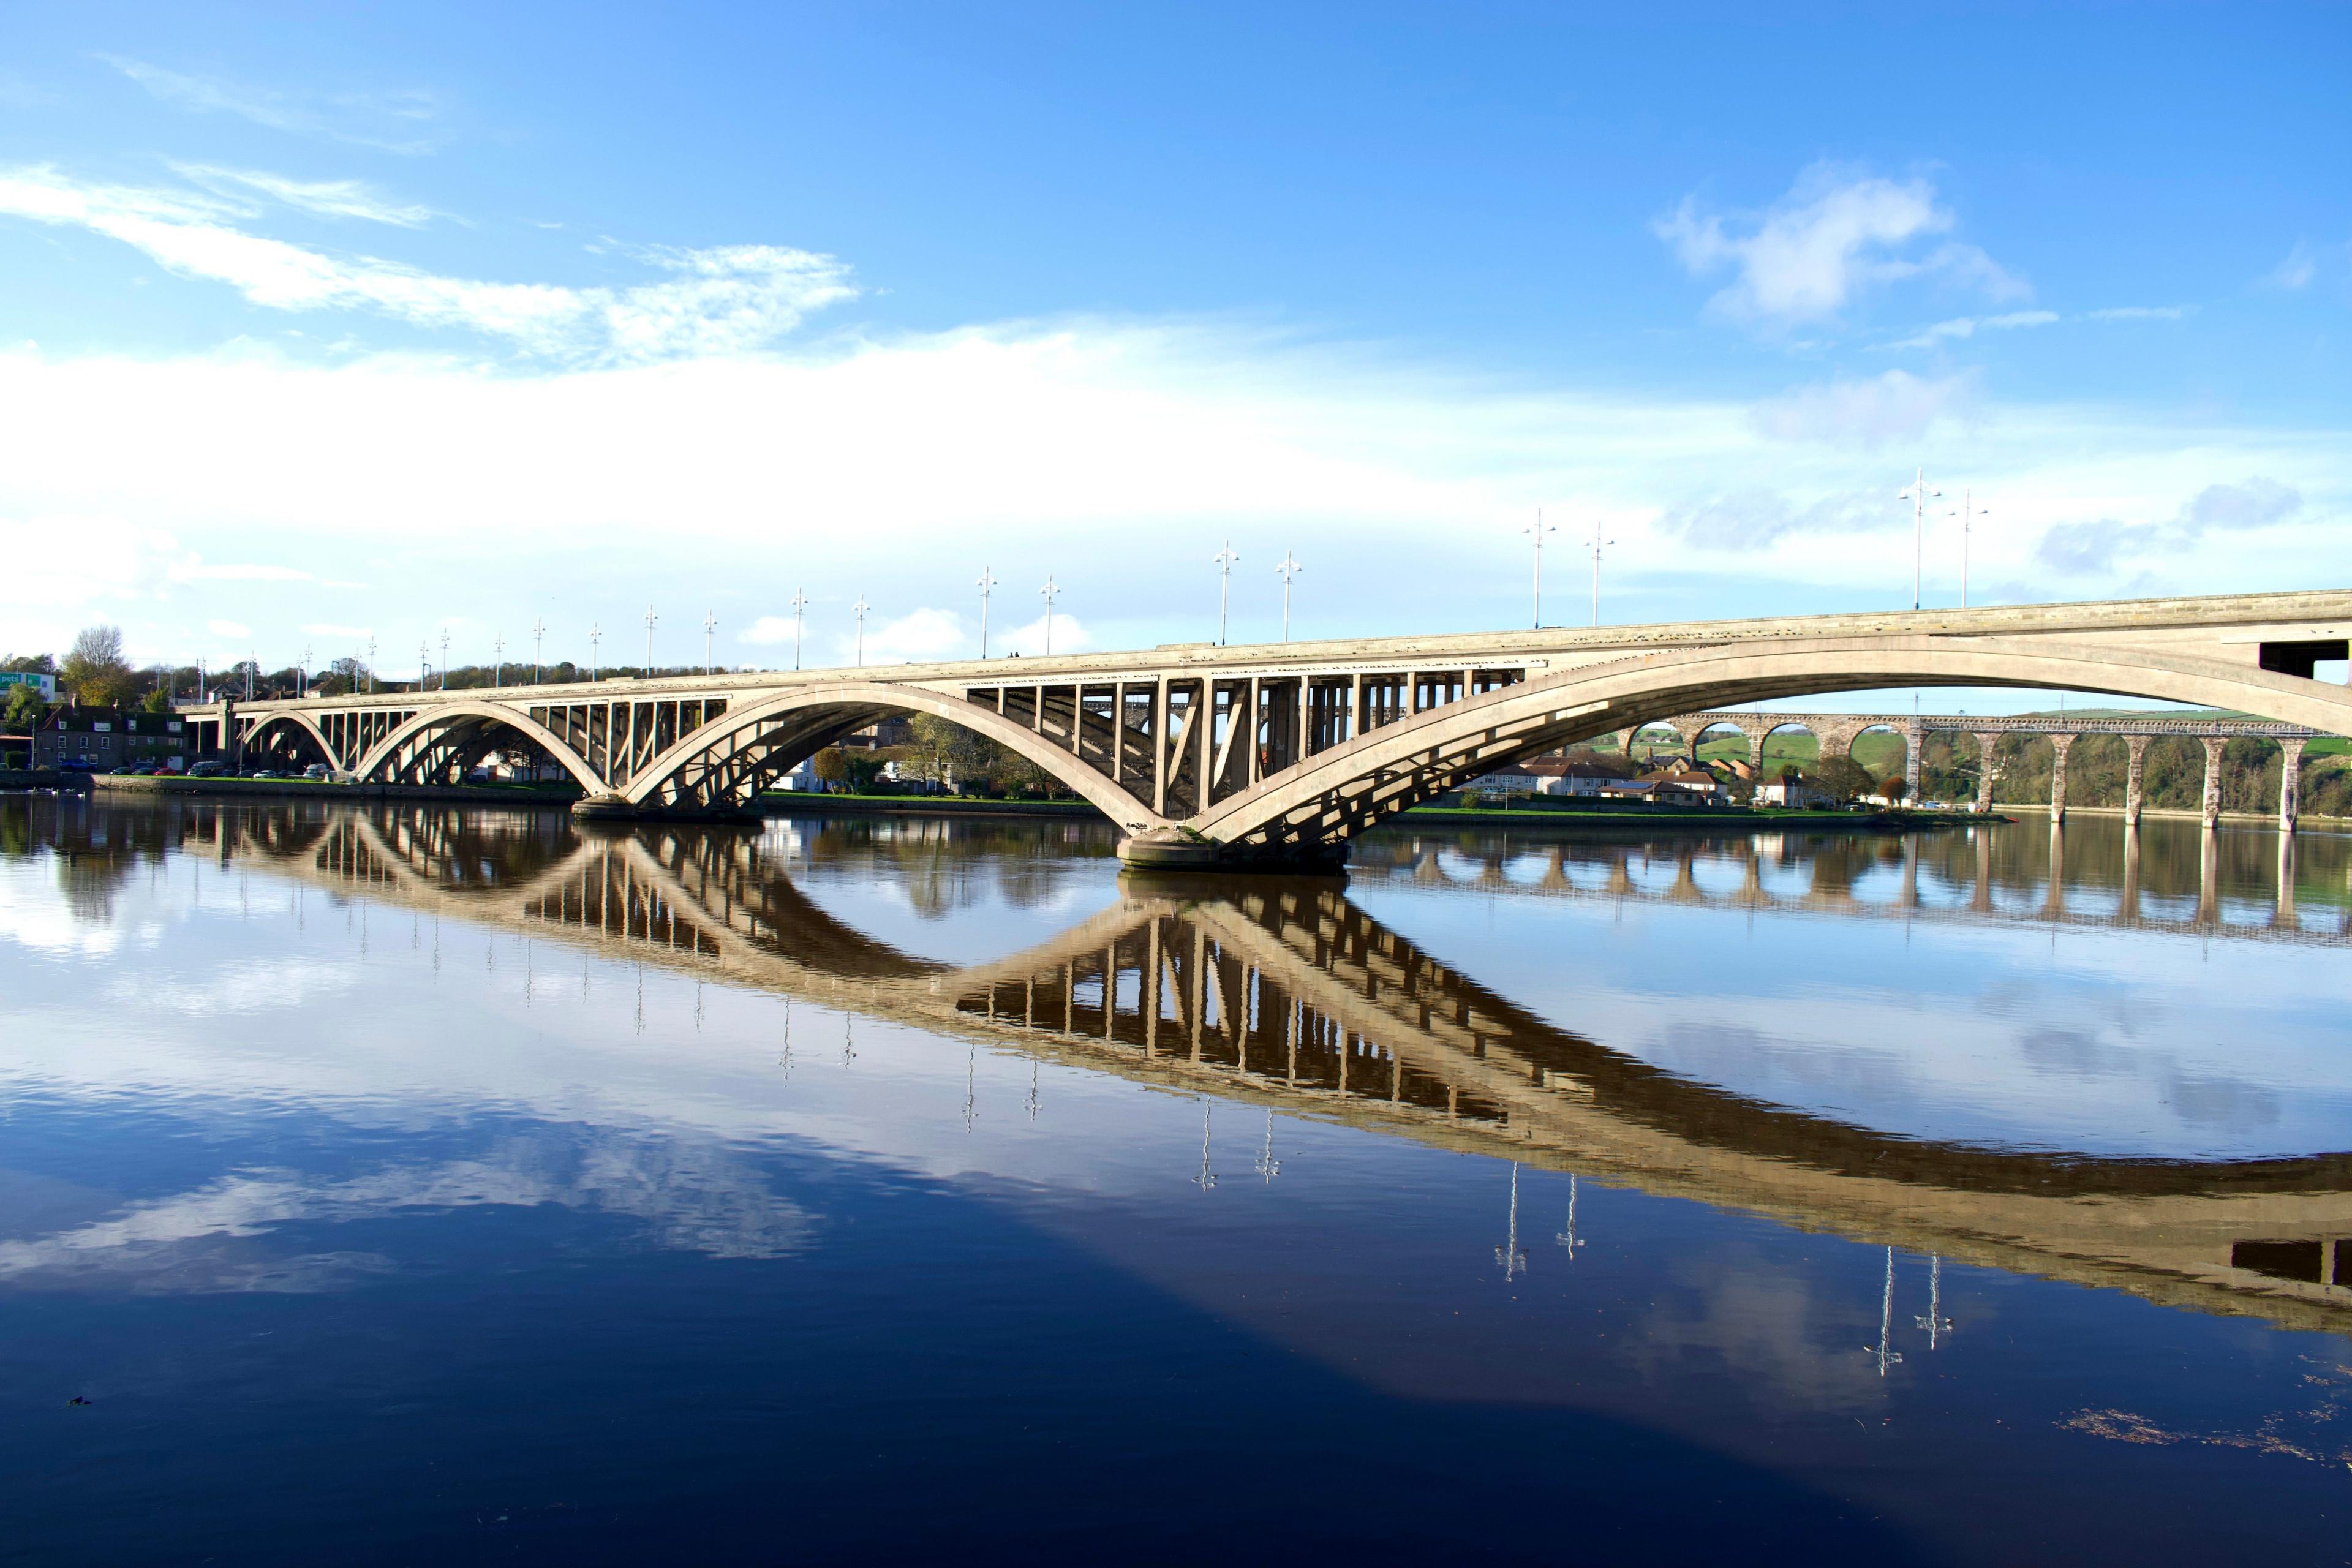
{"type": "Point", "coordinates": [400, 1185]}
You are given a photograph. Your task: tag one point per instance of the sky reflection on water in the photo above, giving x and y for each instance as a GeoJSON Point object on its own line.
{"type": "Point", "coordinates": [399, 1182]}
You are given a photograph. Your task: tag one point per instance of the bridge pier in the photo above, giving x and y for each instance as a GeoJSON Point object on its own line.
{"type": "Point", "coordinates": [2135, 778]}
{"type": "Point", "coordinates": [2290, 783]}
{"type": "Point", "coordinates": [2059, 746]}
{"type": "Point", "coordinates": [1985, 740]}
{"type": "Point", "coordinates": [619, 809]}
{"type": "Point", "coordinates": [1179, 849]}
{"type": "Point", "coordinates": [2211, 807]}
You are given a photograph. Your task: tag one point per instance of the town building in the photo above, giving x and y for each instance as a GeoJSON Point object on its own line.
{"type": "Point", "coordinates": [109, 738]}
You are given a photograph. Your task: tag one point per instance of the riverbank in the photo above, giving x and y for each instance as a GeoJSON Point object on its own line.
{"type": "Point", "coordinates": [322, 789]}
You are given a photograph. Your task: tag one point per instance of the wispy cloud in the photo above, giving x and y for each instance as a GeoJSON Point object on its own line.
{"type": "Point", "coordinates": [1834, 235]}
{"type": "Point", "coordinates": [1867, 412]}
{"type": "Point", "coordinates": [1964, 327]}
{"type": "Point", "coordinates": [390, 122]}
{"type": "Point", "coordinates": [228, 628]}
{"type": "Point", "coordinates": [2138, 313]}
{"type": "Point", "coordinates": [2091, 548]}
{"type": "Point", "coordinates": [328, 198]}
{"type": "Point", "coordinates": [2296, 271]}
{"type": "Point", "coordinates": [722, 299]}
{"type": "Point", "coordinates": [1755, 519]}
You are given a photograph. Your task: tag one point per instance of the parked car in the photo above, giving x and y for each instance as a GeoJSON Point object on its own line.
{"type": "Point", "coordinates": [76, 766]}
{"type": "Point", "coordinates": [318, 770]}
{"type": "Point", "coordinates": [207, 770]}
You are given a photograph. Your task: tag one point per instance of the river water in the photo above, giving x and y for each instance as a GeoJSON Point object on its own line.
{"type": "Point", "coordinates": [397, 1184]}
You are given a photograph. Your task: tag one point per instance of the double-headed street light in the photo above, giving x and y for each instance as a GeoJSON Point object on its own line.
{"type": "Point", "coordinates": [859, 609]}
{"type": "Point", "coordinates": [445, 658]}
{"type": "Point", "coordinates": [1049, 593]}
{"type": "Point", "coordinates": [1289, 569]}
{"type": "Point", "coordinates": [799, 613]}
{"type": "Point", "coordinates": [1539, 529]}
{"type": "Point", "coordinates": [986, 583]}
{"type": "Point", "coordinates": [1968, 514]}
{"type": "Point", "coordinates": [709, 625]}
{"type": "Point", "coordinates": [498, 646]}
{"type": "Point", "coordinates": [1919, 493]}
{"type": "Point", "coordinates": [424, 661]}
{"type": "Point", "coordinates": [595, 666]}
{"type": "Point", "coordinates": [650, 618]}
{"type": "Point", "coordinates": [1224, 561]}
{"type": "Point", "coordinates": [538, 646]}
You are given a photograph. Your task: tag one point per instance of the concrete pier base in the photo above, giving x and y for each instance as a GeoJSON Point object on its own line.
{"type": "Point", "coordinates": [1173, 849]}
{"type": "Point", "coordinates": [615, 809]}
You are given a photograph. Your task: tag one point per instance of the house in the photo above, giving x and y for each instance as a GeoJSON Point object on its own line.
{"type": "Point", "coordinates": [110, 738]}
{"type": "Point", "coordinates": [1686, 781]}
{"type": "Point", "coordinates": [1517, 779]}
{"type": "Point", "coordinates": [1794, 794]}
{"type": "Point", "coordinates": [1585, 779]}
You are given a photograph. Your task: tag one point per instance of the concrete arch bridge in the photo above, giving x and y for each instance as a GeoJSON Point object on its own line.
{"type": "Point", "coordinates": [1282, 995]}
{"type": "Point", "coordinates": [1279, 754]}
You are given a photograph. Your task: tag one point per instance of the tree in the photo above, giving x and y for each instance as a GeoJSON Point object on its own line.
{"type": "Point", "coordinates": [24, 711]}
{"type": "Point", "coordinates": [1895, 786]}
{"type": "Point", "coordinates": [1842, 778]}
{"type": "Point", "coordinates": [832, 767]}
{"type": "Point", "coordinates": [96, 671]}
{"type": "Point", "coordinates": [967, 761]}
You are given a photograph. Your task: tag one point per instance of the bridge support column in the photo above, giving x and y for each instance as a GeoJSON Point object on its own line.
{"type": "Point", "coordinates": [2054, 900]}
{"type": "Point", "coordinates": [2210, 808]}
{"type": "Point", "coordinates": [1914, 741]}
{"type": "Point", "coordinates": [2059, 746]}
{"type": "Point", "coordinates": [2135, 779]}
{"type": "Point", "coordinates": [2208, 875]}
{"type": "Point", "coordinates": [2290, 783]}
{"type": "Point", "coordinates": [2285, 917]}
{"type": "Point", "coordinates": [1985, 743]}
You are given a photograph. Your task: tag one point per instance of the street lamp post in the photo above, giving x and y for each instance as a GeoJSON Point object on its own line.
{"type": "Point", "coordinates": [1539, 529]}
{"type": "Point", "coordinates": [1224, 562]}
{"type": "Point", "coordinates": [595, 666]}
{"type": "Point", "coordinates": [498, 667]}
{"type": "Point", "coordinates": [859, 609]}
{"type": "Point", "coordinates": [538, 646]}
{"type": "Point", "coordinates": [1597, 544]}
{"type": "Point", "coordinates": [1049, 593]}
{"type": "Point", "coordinates": [1968, 514]}
{"type": "Point", "coordinates": [709, 625]}
{"type": "Point", "coordinates": [800, 610]}
{"type": "Point", "coordinates": [423, 662]}
{"type": "Point", "coordinates": [1289, 569]}
{"type": "Point", "coordinates": [305, 671]}
{"type": "Point", "coordinates": [986, 583]}
{"type": "Point", "coordinates": [1918, 494]}
{"type": "Point", "coordinates": [444, 660]}
{"type": "Point", "coordinates": [650, 619]}
{"type": "Point", "coordinates": [370, 664]}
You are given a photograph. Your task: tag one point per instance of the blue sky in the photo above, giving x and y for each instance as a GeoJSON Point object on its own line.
{"type": "Point", "coordinates": [333, 323]}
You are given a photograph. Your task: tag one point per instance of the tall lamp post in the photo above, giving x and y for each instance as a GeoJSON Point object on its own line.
{"type": "Point", "coordinates": [445, 659]}
{"type": "Point", "coordinates": [595, 666]}
{"type": "Point", "coordinates": [1049, 593]}
{"type": "Point", "coordinates": [1597, 544]}
{"type": "Point", "coordinates": [1968, 514]}
{"type": "Point", "coordinates": [1918, 494]}
{"type": "Point", "coordinates": [370, 664]}
{"type": "Point", "coordinates": [800, 611]}
{"type": "Point", "coordinates": [1539, 530]}
{"type": "Point", "coordinates": [423, 662]}
{"type": "Point", "coordinates": [305, 671]}
{"type": "Point", "coordinates": [986, 583]}
{"type": "Point", "coordinates": [1224, 562]}
{"type": "Point", "coordinates": [1289, 569]}
{"type": "Point", "coordinates": [538, 646]}
{"type": "Point", "coordinates": [499, 668]}
{"type": "Point", "coordinates": [859, 609]}
{"type": "Point", "coordinates": [709, 625]}
{"type": "Point", "coordinates": [650, 619]}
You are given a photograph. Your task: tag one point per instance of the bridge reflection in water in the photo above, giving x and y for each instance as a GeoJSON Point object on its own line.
{"type": "Point", "coordinates": [1287, 995]}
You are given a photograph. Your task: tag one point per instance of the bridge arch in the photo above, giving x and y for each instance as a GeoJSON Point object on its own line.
{"type": "Point", "coordinates": [466, 720]}
{"type": "Point", "coordinates": [1338, 791]}
{"type": "Point", "coordinates": [725, 762]}
{"type": "Point", "coordinates": [298, 729]}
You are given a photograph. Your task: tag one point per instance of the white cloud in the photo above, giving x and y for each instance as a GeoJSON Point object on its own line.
{"type": "Point", "coordinates": [390, 122]}
{"type": "Point", "coordinates": [1070, 636]}
{"type": "Point", "coordinates": [1895, 406]}
{"type": "Point", "coordinates": [724, 299]}
{"type": "Point", "coordinates": [1964, 327]}
{"type": "Point", "coordinates": [328, 198]}
{"type": "Point", "coordinates": [2094, 548]}
{"type": "Point", "coordinates": [228, 628]}
{"type": "Point", "coordinates": [2301, 266]}
{"type": "Point", "coordinates": [242, 572]}
{"type": "Point", "coordinates": [1836, 234]}
{"type": "Point", "coordinates": [916, 637]}
{"type": "Point", "coordinates": [2140, 313]}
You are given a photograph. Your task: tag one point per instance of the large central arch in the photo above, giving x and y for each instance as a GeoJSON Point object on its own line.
{"type": "Point", "coordinates": [1345, 788]}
